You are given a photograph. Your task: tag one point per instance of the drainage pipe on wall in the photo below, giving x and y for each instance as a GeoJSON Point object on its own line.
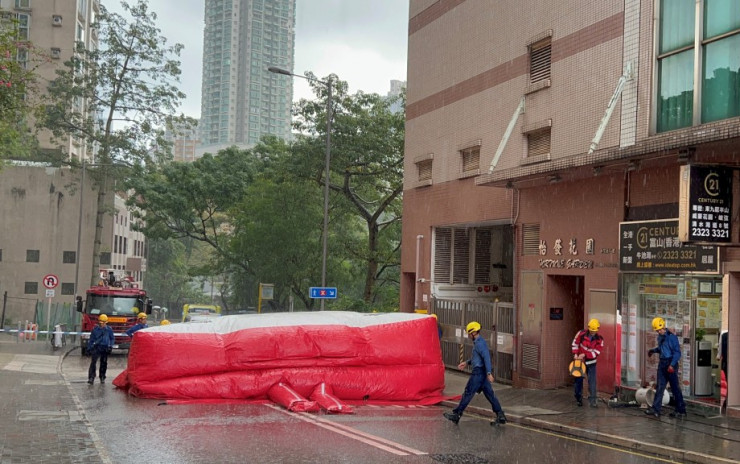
{"type": "Point", "coordinates": [417, 280]}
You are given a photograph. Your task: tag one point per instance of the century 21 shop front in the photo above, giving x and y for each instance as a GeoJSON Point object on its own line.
{"type": "Point", "coordinates": [664, 277]}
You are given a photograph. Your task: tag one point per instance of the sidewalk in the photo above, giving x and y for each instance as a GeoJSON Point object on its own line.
{"type": "Point", "coordinates": [698, 438]}
{"type": "Point", "coordinates": [41, 420]}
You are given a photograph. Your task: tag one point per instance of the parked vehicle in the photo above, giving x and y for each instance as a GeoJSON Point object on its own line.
{"type": "Point", "coordinates": [200, 312]}
{"type": "Point", "coordinates": [121, 300]}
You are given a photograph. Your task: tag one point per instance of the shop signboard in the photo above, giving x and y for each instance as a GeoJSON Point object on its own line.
{"type": "Point", "coordinates": [654, 246]}
{"type": "Point", "coordinates": [705, 204]}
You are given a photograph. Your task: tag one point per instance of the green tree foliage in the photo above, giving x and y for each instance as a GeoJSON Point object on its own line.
{"type": "Point", "coordinates": [261, 210]}
{"type": "Point", "coordinates": [19, 60]}
{"type": "Point", "coordinates": [366, 178]}
{"type": "Point", "coordinates": [117, 99]}
{"type": "Point", "coordinates": [168, 281]}
{"type": "Point", "coordinates": [196, 200]}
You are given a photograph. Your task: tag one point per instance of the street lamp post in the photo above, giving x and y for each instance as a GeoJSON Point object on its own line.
{"type": "Point", "coordinates": [327, 161]}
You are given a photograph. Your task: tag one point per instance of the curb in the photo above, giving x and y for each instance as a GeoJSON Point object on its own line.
{"type": "Point", "coordinates": [596, 436]}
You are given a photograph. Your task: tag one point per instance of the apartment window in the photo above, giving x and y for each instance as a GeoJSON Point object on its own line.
{"type": "Point", "coordinates": [539, 60]}
{"type": "Point", "coordinates": [24, 26]}
{"type": "Point", "coordinates": [470, 160]}
{"type": "Point", "coordinates": [716, 87]}
{"type": "Point", "coordinates": [33, 256]}
{"type": "Point", "coordinates": [69, 257]}
{"type": "Point", "coordinates": [23, 4]}
{"type": "Point", "coordinates": [68, 288]}
{"type": "Point", "coordinates": [1, 254]}
{"type": "Point", "coordinates": [424, 169]}
{"type": "Point", "coordinates": [464, 255]}
{"type": "Point", "coordinates": [105, 258]}
{"type": "Point", "coordinates": [31, 288]}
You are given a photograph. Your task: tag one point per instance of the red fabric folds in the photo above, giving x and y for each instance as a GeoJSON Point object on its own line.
{"type": "Point", "coordinates": [322, 395]}
{"type": "Point", "coordinates": [285, 396]}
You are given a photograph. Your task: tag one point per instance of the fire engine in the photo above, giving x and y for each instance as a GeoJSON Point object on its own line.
{"type": "Point", "coordinates": [121, 300]}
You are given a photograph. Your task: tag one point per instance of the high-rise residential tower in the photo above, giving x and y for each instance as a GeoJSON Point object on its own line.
{"type": "Point", "coordinates": [241, 100]}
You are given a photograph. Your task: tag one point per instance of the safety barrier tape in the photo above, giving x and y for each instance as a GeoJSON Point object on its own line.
{"type": "Point", "coordinates": [50, 332]}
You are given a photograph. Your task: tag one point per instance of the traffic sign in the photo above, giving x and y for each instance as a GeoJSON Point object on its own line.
{"type": "Point", "coordinates": [49, 293]}
{"type": "Point", "coordinates": [323, 292]}
{"type": "Point", "coordinates": [50, 281]}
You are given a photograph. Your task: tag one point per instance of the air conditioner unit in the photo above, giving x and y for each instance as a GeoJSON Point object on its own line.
{"type": "Point", "coordinates": [56, 53]}
{"type": "Point", "coordinates": [56, 20]}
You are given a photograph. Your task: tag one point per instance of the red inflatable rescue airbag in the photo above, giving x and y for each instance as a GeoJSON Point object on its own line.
{"type": "Point", "coordinates": [322, 395]}
{"type": "Point", "coordinates": [285, 396]}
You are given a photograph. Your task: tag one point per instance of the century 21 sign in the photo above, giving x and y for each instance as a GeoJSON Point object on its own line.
{"type": "Point", "coordinates": [705, 204]}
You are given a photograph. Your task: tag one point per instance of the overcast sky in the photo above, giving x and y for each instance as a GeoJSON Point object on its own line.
{"type": "Point", "coordinates": [364, 42]}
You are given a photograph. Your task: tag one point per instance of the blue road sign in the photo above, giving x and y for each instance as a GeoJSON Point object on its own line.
{"type": "Point", "coordinates": [323, 292]}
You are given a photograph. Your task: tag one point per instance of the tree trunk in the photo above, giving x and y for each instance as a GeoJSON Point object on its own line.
{"type": "Point", "coordinates": [372, 261]}
{"type": "Point", "coordinates": [98, 241]}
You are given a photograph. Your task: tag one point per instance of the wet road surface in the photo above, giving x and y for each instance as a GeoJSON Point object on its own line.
{"type": "Point", "coordinates": [128, 429]}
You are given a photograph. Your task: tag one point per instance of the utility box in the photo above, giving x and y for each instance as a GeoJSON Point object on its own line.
{"type": "Point", "coordinates": [703, 369]}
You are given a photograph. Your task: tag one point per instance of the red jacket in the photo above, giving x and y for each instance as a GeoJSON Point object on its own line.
{"type": "Point", "coordinates": [588, 345]}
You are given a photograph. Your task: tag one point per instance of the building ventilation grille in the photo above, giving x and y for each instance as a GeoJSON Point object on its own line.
{"type": "Point", "coordinates": [530, 357]}
{"type": "Point", "coordinates": [531, 239]}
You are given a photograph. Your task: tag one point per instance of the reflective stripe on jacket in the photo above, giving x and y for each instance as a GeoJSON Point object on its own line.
{"type": "Point", "coordinates": [588, 345]}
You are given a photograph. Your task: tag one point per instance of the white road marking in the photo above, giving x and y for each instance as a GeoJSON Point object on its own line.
{"type": "Point", "coordinates": [353, 433]}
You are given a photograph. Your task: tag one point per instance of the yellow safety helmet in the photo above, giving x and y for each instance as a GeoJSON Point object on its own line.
{"type": "Point", "coordinates": [142, 315]}
{"type": "Point", "coordinates": [103, 318]}
{"type": "Point", "coordinates": [164, 322]}
{"type": "Point", "coordinates": [473, 327]}
{"type": "Point", "coordinates": [658, 323]}
{"type": "Point", "coordinates": [593, 325]}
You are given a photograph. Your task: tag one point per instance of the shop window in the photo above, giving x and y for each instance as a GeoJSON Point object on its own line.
{"type": "Point", "coordinates": [716, 87]}
{"type": "Point", "coordinates": [691, 307]}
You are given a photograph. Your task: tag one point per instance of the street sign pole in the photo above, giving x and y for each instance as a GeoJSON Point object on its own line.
{"type": "Point", "coordinates": [50, 281]}
{"type": "Point", "coordinates": [48, 319]}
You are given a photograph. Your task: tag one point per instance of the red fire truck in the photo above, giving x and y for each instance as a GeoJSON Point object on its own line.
{"type": "Point", "coordinates": [121, 300]}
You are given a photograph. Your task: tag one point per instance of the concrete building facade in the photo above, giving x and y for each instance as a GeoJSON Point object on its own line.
{"type": "Point", "coordinates": [547, 144]}
{"type": "Point", "coordinates": [241, 100]}
{"type": "Point", "coordinates": [47, 210]}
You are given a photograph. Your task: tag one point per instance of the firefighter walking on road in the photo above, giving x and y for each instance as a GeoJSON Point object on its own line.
{"type": "Point", "coordinates": [99, 346]}
{"type": "Point", "coordinates": [481, 379]}
{"type": "Point", "coordinates": [587, 346]}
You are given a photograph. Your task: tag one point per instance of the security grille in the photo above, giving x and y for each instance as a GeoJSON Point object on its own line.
{"type": "Point", "coordinates": [482, 256]}
{"type": "Point", "coordinates": [461, 257]}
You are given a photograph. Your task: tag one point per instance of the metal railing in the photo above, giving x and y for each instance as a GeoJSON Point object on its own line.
{"type": "Point", "coordinates": [498, 323]}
